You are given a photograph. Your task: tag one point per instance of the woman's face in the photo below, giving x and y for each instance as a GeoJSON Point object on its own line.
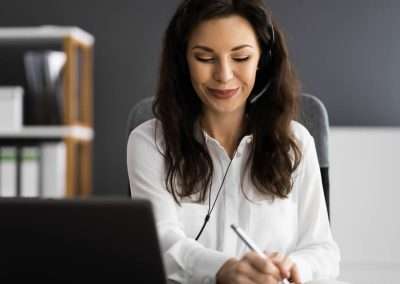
{"type": "Point", "coordinates": [223, 55]}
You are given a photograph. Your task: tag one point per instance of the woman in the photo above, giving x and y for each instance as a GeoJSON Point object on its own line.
{"type": "Point", "coordinates": [224, 149]}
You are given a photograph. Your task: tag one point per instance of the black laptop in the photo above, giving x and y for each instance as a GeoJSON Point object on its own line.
{"type": "Point", "coordinates": [72, 241]}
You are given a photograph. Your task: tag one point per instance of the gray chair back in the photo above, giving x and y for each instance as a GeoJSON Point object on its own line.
{"type": "Point", "coordinates": [313, 115]}
{"type": "Point", "coordinates": [139, 113]}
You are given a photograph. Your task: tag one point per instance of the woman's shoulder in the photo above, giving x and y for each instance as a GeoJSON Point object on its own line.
{"type": "Point", "coordinates": [300, 132]}
{"type": "Point", "coordinates": [147, 132]}
{"type": "Point", "coordinates": [145, 128]}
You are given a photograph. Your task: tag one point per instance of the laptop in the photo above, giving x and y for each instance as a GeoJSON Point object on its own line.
{"type": "Point", "coordinates": [75, 240]}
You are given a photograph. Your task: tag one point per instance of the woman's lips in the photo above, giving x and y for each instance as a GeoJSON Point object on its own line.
{"type": "Point", "coordinates": [223, 94]}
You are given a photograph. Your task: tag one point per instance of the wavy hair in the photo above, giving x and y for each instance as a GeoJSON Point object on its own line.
{"type": "Point", "coordinates": [275, 154]}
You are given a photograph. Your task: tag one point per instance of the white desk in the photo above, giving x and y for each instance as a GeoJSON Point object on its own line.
{"type": "Point", "coordinates": [365, 195]}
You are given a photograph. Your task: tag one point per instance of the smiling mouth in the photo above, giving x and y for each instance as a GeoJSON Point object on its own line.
{"type": "Point", "coordinates": [223, 94]}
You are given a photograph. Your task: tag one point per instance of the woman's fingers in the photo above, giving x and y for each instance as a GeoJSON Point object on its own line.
{"type": "Point", "coordinates": [235, 271]}
{"type": "Point", "coordinates": [282, 263]}
{"type": "Point", "coordinates": [295, 274]}
{"type": "Point", "coordinates": [286, 266]}
{"type": "Point", "coordinates": [244, 280]}
{"type": "Point", "coordinates": [263, 265]}
{"type": "Point", "coordinates": [247, 273]}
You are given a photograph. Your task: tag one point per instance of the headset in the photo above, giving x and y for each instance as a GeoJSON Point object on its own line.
{"type": "Point", "coordinates": [266, 58]}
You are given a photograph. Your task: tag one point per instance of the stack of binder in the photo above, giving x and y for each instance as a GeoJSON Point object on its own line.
{"type": "Point", "coordinates": [33, 170]}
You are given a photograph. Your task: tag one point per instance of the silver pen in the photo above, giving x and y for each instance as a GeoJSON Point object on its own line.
{"type": "Point", "coordinates": [250, 244]}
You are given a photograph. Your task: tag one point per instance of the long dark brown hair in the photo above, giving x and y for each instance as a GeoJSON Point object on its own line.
{"type": "Point", "coordinates": [274, 155]}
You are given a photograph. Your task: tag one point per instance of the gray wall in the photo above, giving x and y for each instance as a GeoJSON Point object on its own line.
{"type": "Point", "coordinates": [345, 52]}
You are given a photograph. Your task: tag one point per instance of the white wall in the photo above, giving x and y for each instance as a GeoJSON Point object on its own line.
{"type": "Point", "coordinates": [365, 193]}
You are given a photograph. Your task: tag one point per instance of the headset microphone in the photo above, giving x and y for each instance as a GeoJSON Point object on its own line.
{"type": "Point", "coordinates": [264, 90]}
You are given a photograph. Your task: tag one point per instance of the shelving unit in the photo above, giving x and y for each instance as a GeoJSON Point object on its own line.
{"type": "Point", "coordinates": [76, 131]}
{"type": "Point", "coordinates": [50, 132]}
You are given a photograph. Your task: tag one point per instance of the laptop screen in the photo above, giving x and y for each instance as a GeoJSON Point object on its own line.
{"type": "Point", "coordinates": [72, 240]}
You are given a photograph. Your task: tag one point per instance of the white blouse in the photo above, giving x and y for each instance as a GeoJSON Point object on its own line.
{"type": "Point", "coordinates": [297, 226]}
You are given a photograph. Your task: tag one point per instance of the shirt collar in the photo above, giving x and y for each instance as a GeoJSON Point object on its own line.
{"type": "Point", "coordinates": [202, 136]}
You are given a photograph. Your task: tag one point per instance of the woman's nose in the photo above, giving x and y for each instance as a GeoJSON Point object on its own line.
{"type": "Point", "coordinates": [223, 72]}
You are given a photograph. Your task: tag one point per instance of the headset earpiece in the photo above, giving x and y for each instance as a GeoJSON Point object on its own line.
{"type": "Point", "coordinates": [265, 59]}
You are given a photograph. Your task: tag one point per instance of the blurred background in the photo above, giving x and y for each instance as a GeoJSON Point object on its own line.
{"type": "Point", "coordinates": [345, 52]}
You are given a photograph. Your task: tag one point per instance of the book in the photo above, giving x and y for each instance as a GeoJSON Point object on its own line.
{"type": "Point", "coordinates": [8, 171]}
{"type": "Point", "coordinates": [30, 171]}
{"type": "Point", "coordinates": [54, 62]}
{"type": "Point", "coordinates": [53, 164]}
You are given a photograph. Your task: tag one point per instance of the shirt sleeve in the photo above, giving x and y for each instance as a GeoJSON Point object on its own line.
{"type": "Point", "coordinates": [316, 254]}
{"type": "Point", "coordinates": [185, 260]}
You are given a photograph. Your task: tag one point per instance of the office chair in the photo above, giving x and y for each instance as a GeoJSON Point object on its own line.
{"type": "Point", "coordinates": [313, 115]}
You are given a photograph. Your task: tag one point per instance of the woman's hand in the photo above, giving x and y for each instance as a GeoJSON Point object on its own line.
{"type": "Point", "coordinates": [250, 269]}
{"type": "Point", "coordinates": [287, 267]}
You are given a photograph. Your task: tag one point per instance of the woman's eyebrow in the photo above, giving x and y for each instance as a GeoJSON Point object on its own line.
{"type": "Point", "coordinates": [205, 48]}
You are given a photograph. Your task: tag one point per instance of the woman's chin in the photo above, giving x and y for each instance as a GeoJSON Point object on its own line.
{"type": "Point", "coordinates": [226, 107]}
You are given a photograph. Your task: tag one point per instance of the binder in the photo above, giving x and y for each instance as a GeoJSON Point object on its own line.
{"type": "Point", "coordinates": [30, 171]}
{"type": "Point", "coordinates": [34, 101]}
{"type": "Point", "coordinates": [53, 163]}
{"type": "Point", "coordinates": [11, 108]}
{"type": "Point", "coordinates": [8, 171]}
{"type": "Point", "coordinates": [54, 62]}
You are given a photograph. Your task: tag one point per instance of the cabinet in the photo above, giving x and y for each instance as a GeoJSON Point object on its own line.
{"type": "Point", "coordinates": [75, 128]}
{"type": "Point", "coordinates": [365, 192]}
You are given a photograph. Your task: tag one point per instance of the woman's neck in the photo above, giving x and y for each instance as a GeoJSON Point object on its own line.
{"type": "Point", "coordinates": [227, 129]}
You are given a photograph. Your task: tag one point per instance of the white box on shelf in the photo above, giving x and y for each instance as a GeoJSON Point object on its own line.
{"type": "Point", "coordinates": [53, 169]}
{"type": "Point", "coordinates": [11, 107]}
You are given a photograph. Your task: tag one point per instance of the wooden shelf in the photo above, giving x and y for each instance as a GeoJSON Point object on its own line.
{"type": "Point", "coordinates": [45, 34]}
{"type": "Point", "coordinates": [76, 130]}
{"type": "Point", "coordinates": [82, 133]}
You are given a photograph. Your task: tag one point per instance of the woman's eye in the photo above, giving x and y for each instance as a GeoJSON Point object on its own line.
{"type": "Point", "coordinates": [211, 59]}
{"type": "Point", "coordinates": [203, 59]}
{"type": "Point", "coordinates": [241, 59]}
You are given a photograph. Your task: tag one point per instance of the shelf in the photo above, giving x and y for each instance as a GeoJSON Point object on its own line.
{"type": "Point", "coordinates": [37, 132]}
{"type": "Point", "coordinates": [76, 128]}
{"type": "Point", "coordinates": [44, 33]}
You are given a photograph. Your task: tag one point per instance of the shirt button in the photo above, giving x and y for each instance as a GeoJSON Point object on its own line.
{"type": "Point", "coordinates": [208, 280]}
{"type": "Point", "coordinates": [238, 155]}
{"type": "Point", "coordinates": [249, 140]}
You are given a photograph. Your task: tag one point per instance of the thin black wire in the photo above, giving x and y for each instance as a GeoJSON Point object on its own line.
{"type": "Point", "coordinates": [209, 211]}
{"type": "Point", "coordinates": [223, 180]}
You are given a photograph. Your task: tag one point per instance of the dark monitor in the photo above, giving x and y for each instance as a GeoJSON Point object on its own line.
{"type": "Point", "coordinates": [75, 240]}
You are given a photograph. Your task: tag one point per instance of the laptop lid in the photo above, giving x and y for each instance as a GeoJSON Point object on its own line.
{"type": "Point", "coordinates": [75, 240]}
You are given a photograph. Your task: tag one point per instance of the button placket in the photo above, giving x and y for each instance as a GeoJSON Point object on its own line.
{"type": "Point", "coordinates": [232, 205]}
{"type": "Point", "coordinates": [208, 280]}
